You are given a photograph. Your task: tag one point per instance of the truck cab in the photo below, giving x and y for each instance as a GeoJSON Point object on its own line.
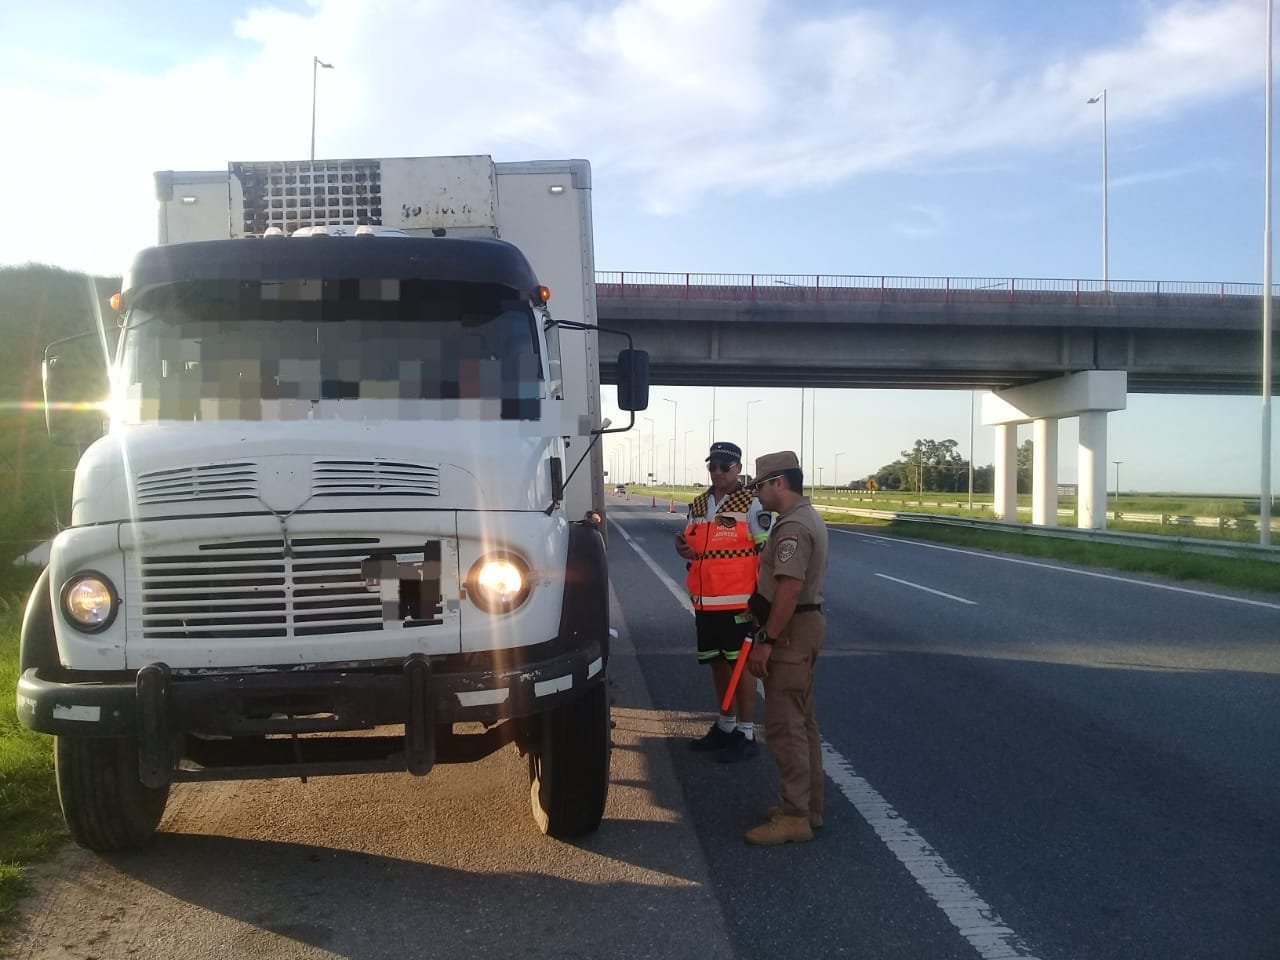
{"type": "Point", "coordinates": [337, 522]}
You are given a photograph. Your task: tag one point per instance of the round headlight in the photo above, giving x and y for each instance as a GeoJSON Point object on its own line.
{"type": "Point", "coordinates": [498, 583]}
{"type": "Point", "coordinates": [89, 601]}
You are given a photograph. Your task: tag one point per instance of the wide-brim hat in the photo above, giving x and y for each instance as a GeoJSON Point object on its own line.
{"type": "Point", "coordinates": [775, 465]}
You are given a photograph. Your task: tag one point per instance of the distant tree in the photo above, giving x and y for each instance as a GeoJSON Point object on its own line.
{"type": "Point", "coordinates": [1026, 459]}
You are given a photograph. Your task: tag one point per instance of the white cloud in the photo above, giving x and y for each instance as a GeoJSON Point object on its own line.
{"type": "Point", "coordinates": [671, 99]}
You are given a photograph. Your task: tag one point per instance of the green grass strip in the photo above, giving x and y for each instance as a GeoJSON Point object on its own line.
{"type": "Point", "coordinates": [30, 819]}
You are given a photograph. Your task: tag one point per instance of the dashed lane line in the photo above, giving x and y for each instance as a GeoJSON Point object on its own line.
{"type": "Point", "coordinates": [1053, 566]}
{"type": "Point", "coordinates": [937, 593]}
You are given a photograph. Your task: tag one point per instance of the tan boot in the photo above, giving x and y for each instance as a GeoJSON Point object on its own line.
{"type": "Point", "coordinates": [780, 830]}
{"type": "Point", "coordinates": [815, 819]}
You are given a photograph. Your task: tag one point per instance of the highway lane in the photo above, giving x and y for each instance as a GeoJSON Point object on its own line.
{"type": "Point", "coordinates": [1094, 756]}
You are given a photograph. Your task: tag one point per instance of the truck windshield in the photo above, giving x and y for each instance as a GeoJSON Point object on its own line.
{"type": "Point", "coordinates": [309, 349]}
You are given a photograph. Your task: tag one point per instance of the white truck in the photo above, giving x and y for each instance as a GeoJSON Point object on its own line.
{"type": "Point", "coordinates": [336, 523]}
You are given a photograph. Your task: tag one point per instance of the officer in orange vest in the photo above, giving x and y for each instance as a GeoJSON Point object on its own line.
{"type": "Point", "coordinates": [726, 530]}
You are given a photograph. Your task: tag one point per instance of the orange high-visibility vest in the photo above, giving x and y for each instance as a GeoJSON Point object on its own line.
{"type": "Point", "coordinates": [722, 574]}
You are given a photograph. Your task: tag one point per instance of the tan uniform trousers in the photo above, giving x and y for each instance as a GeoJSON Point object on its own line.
{"type": "Point", "coordinates": [790, 721]}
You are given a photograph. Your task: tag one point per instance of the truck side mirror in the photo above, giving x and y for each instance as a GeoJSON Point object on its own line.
{"type": "Point", "coordinates": [75, 385]}
{"type": "Point", "coordinates": [633, 380]}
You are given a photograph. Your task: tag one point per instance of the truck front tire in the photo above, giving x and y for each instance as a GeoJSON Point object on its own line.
{"type": "Point", "coordinates": [569, 771]}
{"type": "Point", "coordinates": [104, 802]}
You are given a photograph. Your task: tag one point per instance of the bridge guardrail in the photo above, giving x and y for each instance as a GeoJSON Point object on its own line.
{"type": "Point", "coordinates": [835, 288]}
{"type": "Point", "coordinates": [1151, 541]}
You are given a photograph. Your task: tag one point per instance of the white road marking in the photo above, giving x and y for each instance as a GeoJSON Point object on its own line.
{"type": "Point", "coordinates": [1052, 566]}
{"type": "Point", "coordinates": [969, 913]}
{"type": "Point", "coordinates": [908, 583]}
{"type": "Point", "coordinates": [676, 590]}
{"type": "Point", "coordinates": [972, 916]}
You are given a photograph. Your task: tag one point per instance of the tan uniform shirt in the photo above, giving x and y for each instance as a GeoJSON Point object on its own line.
{"type": "Point", "coordinates": [797, 548]}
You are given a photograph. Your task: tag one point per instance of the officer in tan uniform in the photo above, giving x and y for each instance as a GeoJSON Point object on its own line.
{"type": "Point", "coordinates": [788, 608]}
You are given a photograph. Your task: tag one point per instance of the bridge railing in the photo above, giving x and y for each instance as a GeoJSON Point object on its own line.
{"type": "Point", "coordinates": [820, 288]}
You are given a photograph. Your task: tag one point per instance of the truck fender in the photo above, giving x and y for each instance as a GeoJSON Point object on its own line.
{"type": "Point", "coordinates": [584, 615]}
{"type": "Point", "coordinates": [38, 646]}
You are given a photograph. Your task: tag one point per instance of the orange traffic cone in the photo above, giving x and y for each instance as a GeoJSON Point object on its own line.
{"type": "Point", "coordinates": [671, 507]}
{"type": "Point", "coordinates": [653, 500]}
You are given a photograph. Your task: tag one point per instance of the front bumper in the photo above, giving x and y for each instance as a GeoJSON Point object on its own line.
{"type": "Point", "coordinates": [424, 694]}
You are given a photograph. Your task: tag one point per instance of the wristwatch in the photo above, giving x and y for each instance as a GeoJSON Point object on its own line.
{"type": "Point", "coordinates": [763, 637]}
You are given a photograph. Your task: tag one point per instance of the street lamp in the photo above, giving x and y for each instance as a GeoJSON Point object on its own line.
{"type": "Point", "coordinates": [1264, 505]}
{"type": "Point", "coordinates": [653, 433]}
{"type": "Point", "coordinates": [675, 432]}
{"type": "Point", "coordinates": [1106, 268]}
{"type": "Point", "coordinates": [1117, 463]}
{"type": "Point", "coordinates": [746, 440]}
{"type": "Point", "coordinates": [315, 62]}
{"type": "Point", "coordinates": [819, 478]}
{"type": "Point", "coordinates": [711, 430]}
{"type": "Point", "coordinates": [684, 471]}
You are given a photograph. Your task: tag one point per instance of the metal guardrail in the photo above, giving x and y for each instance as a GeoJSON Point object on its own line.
{"type": "Point", "coordinates": [828, 288]}
{"type": "Point", "coordinates": [1149, 541]}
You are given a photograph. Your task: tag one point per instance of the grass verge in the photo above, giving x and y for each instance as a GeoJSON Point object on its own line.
{"type": "Point", "coordinates": [30, 820]}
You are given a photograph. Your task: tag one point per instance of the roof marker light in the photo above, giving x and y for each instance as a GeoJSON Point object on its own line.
{"type": "Point", "coordinates": [544, 294]}
{"type": "Point", "coordinates": [115, 302]}
{"type": "Point", "coordinates": [555, 189]}
{"type": "Point", "coordinates": [273, 232]}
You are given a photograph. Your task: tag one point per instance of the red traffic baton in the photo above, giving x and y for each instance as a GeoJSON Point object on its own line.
{"type": "Point", "coordinates": [737, 674]}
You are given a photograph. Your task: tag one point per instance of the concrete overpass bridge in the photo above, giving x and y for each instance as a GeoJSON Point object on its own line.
{"type": "Point", "coordinates": [1047, 349]}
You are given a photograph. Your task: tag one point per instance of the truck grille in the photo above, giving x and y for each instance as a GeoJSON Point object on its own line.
{"type": "Point", "coordinates": [215, 481]}
{"type": "Point", "coordinates": [250, 588]}
{"type": "Point", "coordinates": [373, 478]}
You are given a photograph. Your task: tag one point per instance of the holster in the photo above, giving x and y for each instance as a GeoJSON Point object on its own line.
{"type": "Point", "coordinates": [759, 607]}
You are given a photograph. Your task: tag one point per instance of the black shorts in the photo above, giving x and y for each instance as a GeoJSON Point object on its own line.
{"type": "Point", "coordinates": [720, 634]}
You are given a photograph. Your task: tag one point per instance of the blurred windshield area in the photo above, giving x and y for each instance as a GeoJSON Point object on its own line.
{"type": "Point", "coordinates": [346, 349]}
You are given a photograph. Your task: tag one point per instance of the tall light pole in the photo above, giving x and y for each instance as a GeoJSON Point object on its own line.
{"type": "Point", "coordinates": [675, 432]}
{"type": "Point", "coordinates": [653, 433]}
{"type": "Point", "coordinates": [746, 440]}
{"type": "Point", "coordinates": [1117, 463]}
{"type": "Point", "coordinates": [684, 471]}
{"type": "Point", "coordinates": [836, 482]}
{"type": "Point", "coordinates": [711, 430]}
{"type": "Point", "coordinates": [1264, 507]}
{"type": "Point", "coordinates": [315, 62]}
{"type": "Point", "coordinates": [1106, 262]}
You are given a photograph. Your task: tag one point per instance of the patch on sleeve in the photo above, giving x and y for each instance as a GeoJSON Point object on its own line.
{"type": "Point", "coordinates": [787, 549]}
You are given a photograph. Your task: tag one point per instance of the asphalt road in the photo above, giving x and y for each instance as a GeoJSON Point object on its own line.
{"type": "Point", "coordinates": [1024, 761]}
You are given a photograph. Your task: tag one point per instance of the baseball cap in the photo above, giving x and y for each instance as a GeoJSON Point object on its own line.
{"type": "Point", "coordinates": [723, 450]}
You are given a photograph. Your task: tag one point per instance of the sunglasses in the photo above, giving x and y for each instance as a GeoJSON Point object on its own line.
{"type": "Point", "coordinates": [765, 482]}
{"type": "Point", "coordinates": [720, 466]}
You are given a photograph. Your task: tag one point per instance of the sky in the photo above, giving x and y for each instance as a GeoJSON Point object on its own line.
{"type": "Point", "coordinates": [936, 138]}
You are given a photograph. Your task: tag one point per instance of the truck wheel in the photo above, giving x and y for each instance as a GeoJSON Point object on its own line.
{"type": "Point", "coordinates": [569, 772]}
{"type": "Point", "coordinates": [103, 801]}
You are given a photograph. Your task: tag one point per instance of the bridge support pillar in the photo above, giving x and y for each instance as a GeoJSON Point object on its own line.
{"type": "Point", "coordinates": [1006, 472]}
{"type": "Point", "coordinates": [1090, 395]}
{"type": "Point", "coordinates": [1044, 473]}
{"type": "Point", "coordinates": [1091, 481]}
